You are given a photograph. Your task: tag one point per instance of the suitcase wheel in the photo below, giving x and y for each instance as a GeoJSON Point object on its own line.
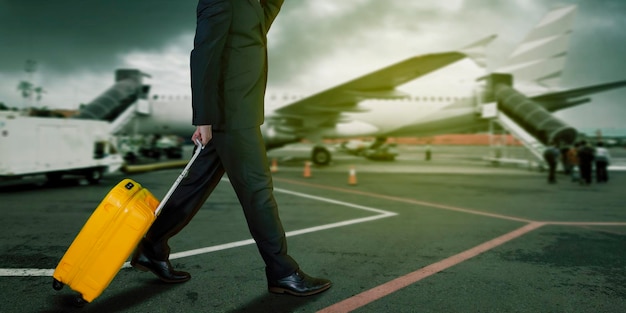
{"type": "Point", "coordinates": [79, 302]}
{"type": "Point", "coordinates": [57, 285]}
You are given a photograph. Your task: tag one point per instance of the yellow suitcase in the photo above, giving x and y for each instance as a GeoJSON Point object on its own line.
{"type": "Point", "coordinates": [106, 240]}
{"type": "Point", "coordinates": [109, 237]}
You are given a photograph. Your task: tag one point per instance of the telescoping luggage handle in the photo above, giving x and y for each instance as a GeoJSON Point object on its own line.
{"type": "Point", "coordinates": [180, 178]}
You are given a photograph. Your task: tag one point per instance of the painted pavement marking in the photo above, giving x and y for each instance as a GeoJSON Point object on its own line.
{"type": "Point", "coordinates": [22, 272]}
{"type": "Point", "coordinates": [394, 285]}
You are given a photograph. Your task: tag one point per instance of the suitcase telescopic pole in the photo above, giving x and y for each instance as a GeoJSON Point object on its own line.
{"type": "Point", "coordinates": [182, 175]}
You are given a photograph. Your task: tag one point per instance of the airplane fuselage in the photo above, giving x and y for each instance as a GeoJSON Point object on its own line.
{"type": "Point", "coordinates": [417, 115]}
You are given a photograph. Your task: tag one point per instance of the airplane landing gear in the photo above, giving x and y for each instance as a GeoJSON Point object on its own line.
{"type": "Point", "coordinates": [320, 155]}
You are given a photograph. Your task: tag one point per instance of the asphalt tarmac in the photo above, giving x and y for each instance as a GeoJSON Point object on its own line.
{"type": "Point", "coordinates": [447, 235]}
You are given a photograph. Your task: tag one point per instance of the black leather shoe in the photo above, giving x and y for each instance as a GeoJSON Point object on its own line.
{"type": "Point", "coordinates": [162, 269]}
{"type": "Point", "coordinates": [299, 284]}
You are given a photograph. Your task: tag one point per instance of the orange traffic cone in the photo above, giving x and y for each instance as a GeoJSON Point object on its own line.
{"type": "Point", "coordinates": [274, 167]}
{"type": "Point", "coordinates": [352, 177]}
{"type": "Point", "coordinates": [307, 169]}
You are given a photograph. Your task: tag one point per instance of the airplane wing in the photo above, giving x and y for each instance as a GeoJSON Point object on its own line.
{"type": "Point", "coordinates": [325, 108]}
{"type": "Point", "coordinates": [379, 84]}
{"type": "Point", "coordinates": [568, 98]}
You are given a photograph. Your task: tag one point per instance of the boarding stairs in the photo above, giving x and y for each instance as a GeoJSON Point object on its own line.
{"type": "Point", "coordinates": [124, 118]}
{"type": "Point", "coordinates": [534, 156]}
{"type": "Point", "coordinates": [121, 102]}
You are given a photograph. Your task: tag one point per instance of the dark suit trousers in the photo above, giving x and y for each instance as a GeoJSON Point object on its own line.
{"type": "Point", "coordinates": [241, 155]}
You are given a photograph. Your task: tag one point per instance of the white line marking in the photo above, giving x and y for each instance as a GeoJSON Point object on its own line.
{"type": "Point", "coordinates": [352, 205]}
{"type": "Point", "coordinates": [188, 253]}
{"type": "Point", "coordinates": [21, 272]}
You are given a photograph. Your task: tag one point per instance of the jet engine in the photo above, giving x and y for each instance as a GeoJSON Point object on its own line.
{"type": "Point", "coordinates": [276, 136]}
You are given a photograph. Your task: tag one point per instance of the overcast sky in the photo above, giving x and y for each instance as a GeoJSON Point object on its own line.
{"type": "Point", "coordinates": [314, 44]}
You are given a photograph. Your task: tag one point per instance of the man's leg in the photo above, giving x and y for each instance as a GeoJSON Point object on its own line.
{"type": "Point", "coordinates": [153, 251]}
{"type": "Point", "coordinates": [552, 172]}
{"type": "Point", "coordinates": [245, 160]}
{"type": "Point", "coordinates": [243, 154]}
{"type": "Point", "coordinates": [603, 174]}
{"type": "Point", "coordinates": [588, 168]}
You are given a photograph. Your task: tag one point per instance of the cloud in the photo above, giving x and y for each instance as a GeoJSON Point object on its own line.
{"type": "Point", "coordinates": [68, 35]}
{"type": "Point", "coordinates": [313, 43]}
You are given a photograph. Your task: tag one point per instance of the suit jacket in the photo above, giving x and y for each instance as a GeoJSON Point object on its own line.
{"type": "Point", "coordinates": [229, 62]}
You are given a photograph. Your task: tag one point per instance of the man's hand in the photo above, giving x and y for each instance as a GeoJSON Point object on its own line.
{"type": "Point", "coordinates": [202, 133]}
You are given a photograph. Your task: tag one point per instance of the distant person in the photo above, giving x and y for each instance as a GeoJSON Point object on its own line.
{"type": "Point", "coordinates": [572, 161]}
{"type": "Point", "coordinates": [551, 156]}
{"type": "Point", "coordinates": [602, 159]}
{"type": "Point", "coordinates": [567, 167]}
{"type": "Point", "coordinates": [585, 162]}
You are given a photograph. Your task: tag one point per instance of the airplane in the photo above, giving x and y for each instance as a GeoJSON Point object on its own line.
{"type": "Point", "coordinates": [526, 89]}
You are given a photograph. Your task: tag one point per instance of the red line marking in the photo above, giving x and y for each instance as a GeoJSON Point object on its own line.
{"type": "Point", "coordinates": [392, 286]}
{"type": "Point", "coordinates": [450, 208]}
{"type": "Point", "coordinates": [411, 201]}
{"type": "Point", "coordinates": [588, 223]}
